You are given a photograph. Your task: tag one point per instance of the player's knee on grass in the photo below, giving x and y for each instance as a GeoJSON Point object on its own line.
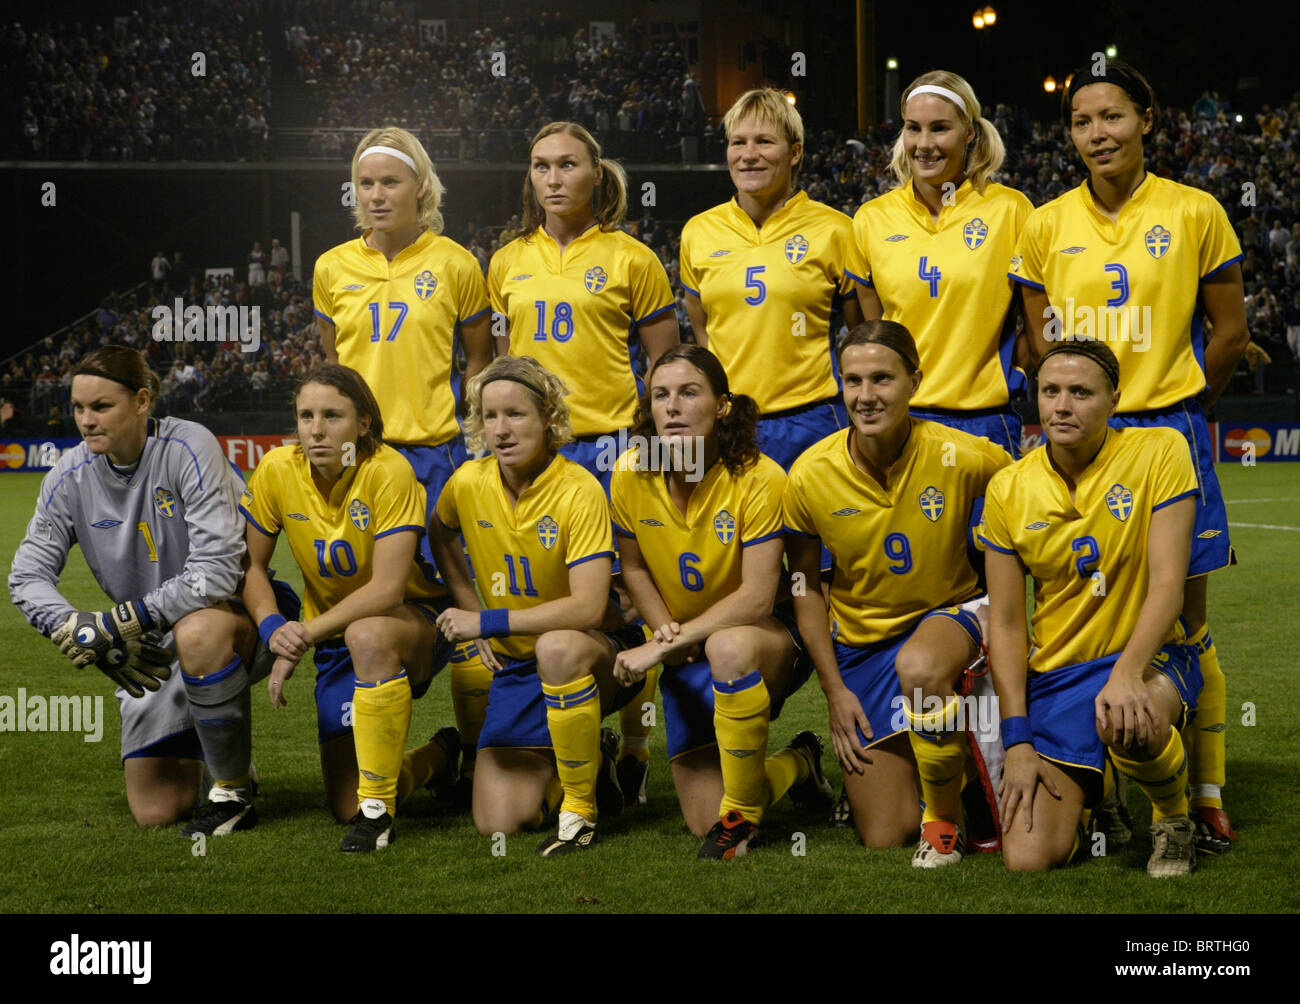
{"type": "Point", "coordinates": [161, 791]}
{"type": "Point", "coordinates": [730, 656]}
{"type": "Point", "coordinates": [1023, 852]}
{"type": "Point", "coordinates": [373, 648]}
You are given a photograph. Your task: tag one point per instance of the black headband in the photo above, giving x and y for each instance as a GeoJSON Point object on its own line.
{"type": "Point", "coordinates": [519, 380]}
{"type": "Point", "coordinates": [94, 371]}
{"type": "Point", "coordinates": [1095, 351]}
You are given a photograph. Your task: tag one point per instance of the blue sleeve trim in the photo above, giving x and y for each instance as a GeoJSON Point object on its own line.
{"type": "Point", "coordinates": [621, 532]}
{"type": "Point", "coordinates": [759, 540]}
{"type": "Point", "coordinates": [324, 315]}
{"type": "Point", "coordinates": [653, 314]}
{"type": "Point", "coordinates": [591, 557]}
{"type": "Point", "coordinates": [858, 279]}
{"type": "Point", "coordinates": [694, 292]}
{"type": "Point", "coordinates": [1026, 282]}
{"type": "Point", "coordinates": [985, 541]}
{"type": "Point", "coordinates": [257, 525]}
{"type": "Point", "coordinates": [1220, 268]}
{"type": "Point", "coordinates": [799, 533]}
{"type": "Point", "coordinates": [475, 317]}
{"type": "Point", "coordinates": [399, 529]}
{"type": "Point", "coordinates": [1177, 498]}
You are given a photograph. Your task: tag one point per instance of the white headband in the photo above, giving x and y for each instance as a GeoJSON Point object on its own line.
{"type": "Point", "coordinates": [404, 158]}
{"type": "Point", "coordinates": [943, 92]}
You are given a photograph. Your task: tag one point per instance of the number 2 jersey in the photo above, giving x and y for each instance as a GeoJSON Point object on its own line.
{"type": "Point", "coordinates": [333, 540]}
{"type": "Point", "coordinates": [899, 549]}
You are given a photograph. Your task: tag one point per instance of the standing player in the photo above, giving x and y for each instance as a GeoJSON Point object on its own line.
{"type": "Point", "coordinates": [930, 255]}
{"type": "Point", "coordinates": [891, 499]}
{"type": "Point", "coordinates": [571, 289]}
{"type": "Point", "coordinates": [1133, 259]}
{"type": "Point", "coordinates": [537, 530]}
{"type": "Point", "coordinates": [761, 274]}
{"type": "Point", "coordinates": [351, 509]}
{"type": "Point", "coordinates": [390, 304]}
{"type": "Point", "coordinates": [1101, 518]}
{"type": "Point", "coordinates": [152, 504]}
{"type": "Point", "coordinates": [701, 553]}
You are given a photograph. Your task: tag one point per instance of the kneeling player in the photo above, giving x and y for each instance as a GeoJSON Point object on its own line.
{"type": "Point", "coordinates": [891, 499]}
{"type": "Point", "coordinates": [698, 509]}
{"type": "Point", "coordinates": [1102, 520]}
{"type": "Point", "coordinates": [537, 530]}
{"type": "Point", "coordinates": [353, 512]}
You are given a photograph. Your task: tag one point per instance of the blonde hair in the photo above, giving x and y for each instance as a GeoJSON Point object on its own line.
{"type": "Point", "coordinates": [986, 153]}
{"type": "Point", "coordinates": [770, 107]}
{"type": "Point", "coordinates": [547, 390]}
{"type": "Point", "coordinates": [609, 200]}
{"type": "Point", "coordinates": [430, 189]}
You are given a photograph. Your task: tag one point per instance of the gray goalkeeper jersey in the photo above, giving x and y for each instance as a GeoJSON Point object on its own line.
{"type": "Point", "coordinates": [169, 533]}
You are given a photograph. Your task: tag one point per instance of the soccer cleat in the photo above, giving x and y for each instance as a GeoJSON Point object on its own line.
{"type": "Point", "coordinates": [633, 780]}
{"type": "Point", "coordinates": [842, 812]}
{"type": "Point", "coordinates": [814, 792]}
{"type": "Point", "coordinates": [369, 832]}
{"type": "Point", "coordinates": [443, 786]}
{"type": "Point", "coordinates": [942, 844]}
{"type": "Point", "coordinates": [1112, 819]}
{"type": "Point", "coordinates": [609, 796]}
{"type": "Point", "coordinates": [571, 833]}
{"type": "Point", "coordinates": [730, 837]}
{"type": "Point", "coordinates": [1214, 833]}
{"type": "Point", "coordinates": [225, 813]}
{"type": "Point", "coordinates": [1173, 847]}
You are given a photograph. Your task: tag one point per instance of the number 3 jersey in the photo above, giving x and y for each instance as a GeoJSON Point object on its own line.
{"type": "Point", "coordinates": [333, 540]}
{"type": "Point", "coordinates": [521, 554]}
{"type": "Point", "coordinates": [899, 548]}
{"type": "Point", "coordinates": [394, 324]}
{"type": "Point", "coordinates": [572, 312]}
{"type": "Point", "coordinates": [167, 533]}
{"type": "Point", "coordinates": [1088, 556]}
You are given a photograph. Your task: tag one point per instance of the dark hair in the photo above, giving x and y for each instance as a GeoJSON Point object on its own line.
{"type": "Point", "coordinates": [353, 386]}
{"type": "Point", "coordinates": [737, 430]}
{"type": "Point", "coordinates": [609, 200]}
{"type": "Point", "coordinates": [1124, 76]}
{"type": "Point", "coordinates": [1098, 352]}
{"type": "Point", "coordinates": [890, 334]}
{"type": "Point", "coordinates": [121, 364]}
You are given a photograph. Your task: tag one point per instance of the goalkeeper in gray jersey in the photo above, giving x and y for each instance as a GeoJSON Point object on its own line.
{"type": "Point", "coordinates": [153, 505]}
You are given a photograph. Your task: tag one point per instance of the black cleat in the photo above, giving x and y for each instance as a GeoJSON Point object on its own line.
{"type": "Point", "coordinates": [367, 834]}
{"type": "Point", "coordinates": [633, 780]}
{"type": "Point", "coordinates": [730, 837]}
{"type": "Point", "coordinates": [609, 796]}
{"type": "Point", "coordinates": [221, 816]}
{"type": "Point", "coordinates": [571, 833]}
{"type": "Point", "coordinates": [444, 786]}
{"type": "Point", "coordinates": [814, 792]}
{"type": "Point", "coordinates": [842, 812]}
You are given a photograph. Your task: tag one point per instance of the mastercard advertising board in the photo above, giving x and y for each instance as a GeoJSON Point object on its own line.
{"type": "Point", "coordinates": [42, 454]}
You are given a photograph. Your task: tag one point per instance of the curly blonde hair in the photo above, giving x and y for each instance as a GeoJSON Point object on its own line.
{"type": "Point", "coordinates": [430, 189]}
{"type": "Point", "coordinates": [548, 392]}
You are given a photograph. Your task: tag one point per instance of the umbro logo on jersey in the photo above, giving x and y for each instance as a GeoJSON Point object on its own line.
{"type": "Point", "coordinates": [484, 524]}
{"type": "Point", "coordinates": [719, 254]}
{"type": "Point", "coordinates": [1040, 525]}
{"type": "Point", "coordinates": [1208, 534]}
{"type": "Point", "coordinates": [896, 238]}
{"type": "Point", "coordinates": [651, 522]}
{"type": "Point", "coordinates": [846, 511]}
{"type": "Point", "coordinates": [355, 285]}
{"type": "Point", "coordinates": [1072, 250]}
{"type": "Point", "coordinates": [106, 524]}
{"type": "Point", "coordinates": [298, 515]}
{"type": "Point", "coordinates": [520, 278]}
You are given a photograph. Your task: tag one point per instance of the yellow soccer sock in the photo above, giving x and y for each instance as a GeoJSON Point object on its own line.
{"type": "Point", "coordinates": [381, 718]}
{"type": "Point", "coordinates": [784, 769]}
{"type": "Point", "coordinates": [741, 710]}
{"type": "Point", "coordinates": [419, 767]}
{"type": "Point", "coordinates": [554, 794]}
{"type": "Point", "coordinates": [573, 717]}
{"type": "Point", "coordinates": [1208, 755]}
{"type": "Point", "coordinates": [940, 751]}
{"type": "Point", "coordinates": [632, 718]}
{"type": "Point", "coordinates": [241, 782]}
{"type": "Point", "coordinates": [1164, 779]}
{"type": "Point", "coordinates": [470, 682]}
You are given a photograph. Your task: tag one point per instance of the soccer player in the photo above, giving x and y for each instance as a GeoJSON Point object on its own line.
{"type": "Point", "coordinates": [892, 500]}
{"type": "Point", "coordinates": [570, 290]}
{"type": "Point", "coordinates": [930, 255]}
{"type": "Point", "coordinates": [351, 508]}
{"type": "Point", "coordinates": [698, 510]}
{"type": "Point", "coordinates": [1101, 518]}
{"type": "Point", "coordinates": [537, 529]}
{"type": "Point", "coordinates": [152, 504]}
{"type": "Point", "coordinates": [390, 304]}
{"type": "Point", "coordinates": [1140, 262]}
{"type": "Point", "coordinates": [761, 272]}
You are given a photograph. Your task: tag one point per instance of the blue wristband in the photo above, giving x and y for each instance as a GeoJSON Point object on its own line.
{"type": "Point", "coordinates": [494, 623]}
{"type": "Point", "coordinates": [1015, 730]}
{"type": "Point", "coordinates": [270, 624]}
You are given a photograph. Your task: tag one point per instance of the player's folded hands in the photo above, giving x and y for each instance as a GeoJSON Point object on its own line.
{"type": "Point", "coordinates": [291, 640]}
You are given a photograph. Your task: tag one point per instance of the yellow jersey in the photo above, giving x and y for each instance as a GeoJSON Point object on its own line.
{"type": "Point", "coordinates": [899, 549]}
{"type": "Point", "coordinates": [695, 559]}
{"type": "Point", "coordinates": [333, 540]}
{"type": "Point", "coordinates": [573, 313]}
{"type": "Point", "coordinates": [945, 283]}
{"type": "Point", "coordinates": [394, 323]}
{"type": "Point", "coordinates": [1088, 557]}
{"type": "Point", "coordinates": [522, 554]}
{"type": "Point", "coordinates": [1133, 283]}
{"type": "Point", "coordinates": [767, 294]}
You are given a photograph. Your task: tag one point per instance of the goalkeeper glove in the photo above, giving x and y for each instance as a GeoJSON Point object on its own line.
{"type": "Point", "coordinates": [112, 640]}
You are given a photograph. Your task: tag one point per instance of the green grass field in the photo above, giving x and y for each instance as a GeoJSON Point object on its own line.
{"type": "Point", "coordinates": [69, 844]}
